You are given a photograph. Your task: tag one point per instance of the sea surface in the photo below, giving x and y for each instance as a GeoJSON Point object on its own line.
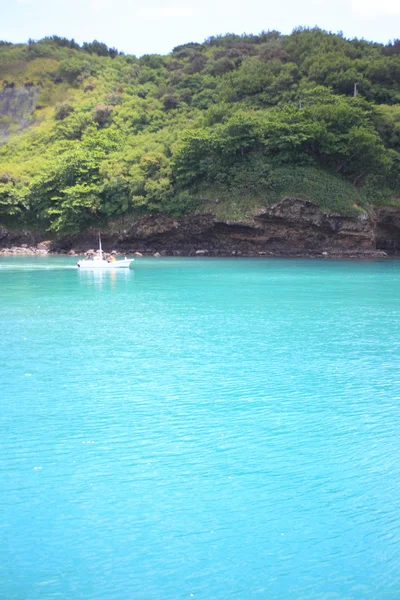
{"type": "Point", "coordinates": [200, 428]}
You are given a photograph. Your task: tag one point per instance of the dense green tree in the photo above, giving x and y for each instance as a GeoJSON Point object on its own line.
{"type": "Point", "coordinates": [12, 197]}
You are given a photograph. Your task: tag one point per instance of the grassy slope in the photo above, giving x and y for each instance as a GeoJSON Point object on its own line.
{"type": "Point", "coordinates": [332, 193]}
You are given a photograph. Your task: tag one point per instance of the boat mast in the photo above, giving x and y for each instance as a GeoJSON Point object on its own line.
{"type": "Point", "coordinates": [100, 248]}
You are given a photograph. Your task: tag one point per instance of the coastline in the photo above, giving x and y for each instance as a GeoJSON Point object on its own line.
{"type": "Point", "coordinates": [335, 254]}
{"type": "Point", "coordinates": [291, 228]}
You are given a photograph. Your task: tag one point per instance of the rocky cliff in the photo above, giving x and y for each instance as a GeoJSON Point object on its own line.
{"type": "Point", "coordinates": [292, 227]}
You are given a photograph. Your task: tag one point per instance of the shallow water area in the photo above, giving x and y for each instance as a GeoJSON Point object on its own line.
{"type": "Point", "coordinates": [199, 428]}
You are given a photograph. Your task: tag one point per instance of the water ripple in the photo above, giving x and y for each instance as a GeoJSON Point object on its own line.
{"type": "Point", "coordinates": [200, 428]}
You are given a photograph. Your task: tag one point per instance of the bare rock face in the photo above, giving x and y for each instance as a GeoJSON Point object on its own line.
{"type": "Point", "coordinates": [292, 227]}
{"type": "Point", "coordinates": [18, 239]}
{"type": "Point", "coordinates": [302, 224]}
{"type": "Point", "coordinates": [162, 227]}
{"type": "Point", "coordinates": [388, 229]}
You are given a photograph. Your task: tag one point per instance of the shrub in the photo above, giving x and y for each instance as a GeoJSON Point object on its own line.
{"type": "Point", "coordinates": [7, 178]}
{"type": "Point", "coordinates": [101, 113]}
{"type": "Point", "coordinates": [89, 87]}
{"type": "Point", "coordinates": [62, 111]}
{"type": "Point", "coordinates": [71, 69]}
{"type": "Point", "coordinates": [113, 99]}
{"type": "Point", "coordinates": [170, 102]}
{"type": "Point", "coordinates": [221, 66]}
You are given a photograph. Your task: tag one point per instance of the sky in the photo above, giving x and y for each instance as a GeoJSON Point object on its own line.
{"type": "Point", "coordinates": [156, 26]}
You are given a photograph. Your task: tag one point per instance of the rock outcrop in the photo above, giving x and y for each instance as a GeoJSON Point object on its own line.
{"type": "Point", "coordinates": [388, 229]}
{"type": "Point", "coordinates": [292, 227]}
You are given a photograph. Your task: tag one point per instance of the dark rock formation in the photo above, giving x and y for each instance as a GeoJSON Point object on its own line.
{"type": "Point", "coordinates": [20, 238]}
{"type": "Point", "coordinates": [388, 229]}
{"type": "Point", "coordinates": [292, 227]}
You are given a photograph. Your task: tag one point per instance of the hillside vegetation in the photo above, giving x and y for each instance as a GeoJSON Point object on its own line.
{"type": "Point", "coordinates": [90, 136]}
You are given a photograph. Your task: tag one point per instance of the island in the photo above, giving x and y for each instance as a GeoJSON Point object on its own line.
{"type": "Point", "coordinates": [243, 145]}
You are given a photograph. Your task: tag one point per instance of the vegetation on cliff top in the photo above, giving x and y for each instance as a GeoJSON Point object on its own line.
{"type": "Point", "coordinates": [90, 135]}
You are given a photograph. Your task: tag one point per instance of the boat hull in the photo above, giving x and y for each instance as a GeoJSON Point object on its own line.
{"type": "Point", "coordinates": [90, 265]}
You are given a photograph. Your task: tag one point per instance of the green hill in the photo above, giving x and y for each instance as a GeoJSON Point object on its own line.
{"type": "Point", "coordinates": [89, 135]}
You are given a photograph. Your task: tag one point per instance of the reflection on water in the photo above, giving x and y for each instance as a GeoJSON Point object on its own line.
{"type": "Point", "coordinates": [103, 278]}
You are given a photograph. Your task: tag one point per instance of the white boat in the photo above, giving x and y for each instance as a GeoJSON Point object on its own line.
{"type": "Point", "coordinates": [99, 262]}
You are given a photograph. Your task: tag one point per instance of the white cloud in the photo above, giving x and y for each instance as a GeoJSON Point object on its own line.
{"type": "Point", "coordinates": [165, 12]}
{"type": "Point", "coordinates": [375, 8]}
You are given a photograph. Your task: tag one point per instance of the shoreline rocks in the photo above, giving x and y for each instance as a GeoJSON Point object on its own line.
{"type": "Point", "coordinates": [24, 250]}
{"type": "Point", "coordinates": [335, 254]}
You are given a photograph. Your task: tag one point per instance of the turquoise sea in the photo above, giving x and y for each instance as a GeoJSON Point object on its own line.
{"type": "Point", "coordinates": [200, 428]}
